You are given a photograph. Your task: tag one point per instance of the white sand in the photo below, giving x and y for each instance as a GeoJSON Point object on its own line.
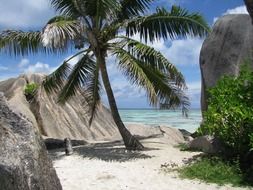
{"type": "Point", "coordinates": [109, 167]}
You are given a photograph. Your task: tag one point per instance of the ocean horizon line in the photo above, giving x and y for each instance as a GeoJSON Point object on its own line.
{"type": "Point", "coordinates": [156, 109]}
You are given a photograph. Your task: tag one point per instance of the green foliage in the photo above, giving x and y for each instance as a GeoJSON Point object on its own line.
{"type": "Point", "coordinates": [230, 115]}
{"type": "Point", "coordinates": [213, 170]}
{"type": "Point", "coordinates": [168, 24]}
{"type": "Point", "coordinates": [31, 89]}
{"type": "Point", "coordinates": [185, 147]}
{"type": "Point", "coordinates": [182, 147]}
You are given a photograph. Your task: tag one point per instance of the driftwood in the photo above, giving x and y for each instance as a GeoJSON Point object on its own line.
{"type": "Point", "coordinates": [68, 146]}
{"type": "Point", "coordinates": [52, 143]}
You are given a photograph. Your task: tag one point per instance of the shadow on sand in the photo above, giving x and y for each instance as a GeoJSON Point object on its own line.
{"type": "Point", "coordinates": [108, 151]}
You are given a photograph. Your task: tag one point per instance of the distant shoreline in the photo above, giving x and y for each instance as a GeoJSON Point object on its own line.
{"type": "Point", "coordinates": [157, 109]}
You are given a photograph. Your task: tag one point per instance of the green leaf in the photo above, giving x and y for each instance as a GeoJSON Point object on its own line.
{"type": "Point", "coordinates": [130, 8]}
{"type": "Point", "coordinates": [21, 43]}
{"type": "Point", "coordinates": [77, 8]}
{"type": "Point", "coordinates": [80, 74]}
{"type": "Point", "coordinates": [163, 24]}
{"type": "Point", "coordinates": [160, 90]}
{"type": "Point", "coordinates": [150, 56]}
{"type": "Point", "coordinates": [92, 93]}
{"type": "Point", "coordinates": [55, 81]}
{"type": "Point", "coordinates": [60, 31]}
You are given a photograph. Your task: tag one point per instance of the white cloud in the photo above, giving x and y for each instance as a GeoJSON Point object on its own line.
{"type": "Point", "coordinates": [194, 89]}
{"type": "Point", "coordinates": [184, 51]}
{"type": "Point", "coordinates": [26, 66]}
{"type": "Point", "coordinates": [24, 62]}
{"type": "Point", "coordinates": [24, 13]}
{"type": "Point", "coordinates": [3, 68]}
{"type": "Point", "coordinates": [237, 10]}
{"type": "Point", "coordinates": [38, 68]}
{"type": "Point", "coordinates": [180, 52]}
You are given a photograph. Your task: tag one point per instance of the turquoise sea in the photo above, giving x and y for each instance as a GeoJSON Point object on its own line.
{"type": "Point", "coordinates": [162, 117]}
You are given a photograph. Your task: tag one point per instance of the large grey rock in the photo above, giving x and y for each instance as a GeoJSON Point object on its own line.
{"type": "Point", "coordinates": [24, 163]}
{"type": "Point", "coordinates": [58, 121]}
{"type": "Point", "coordinates": [207, 144]}
{"type": "Point", "coordinates": [224, 50]}
{"type": "Point", "coordinates": [172, 135]}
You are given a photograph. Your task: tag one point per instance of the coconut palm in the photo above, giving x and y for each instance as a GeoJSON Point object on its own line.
{"type": "Point", "coordinates": [98, 28]}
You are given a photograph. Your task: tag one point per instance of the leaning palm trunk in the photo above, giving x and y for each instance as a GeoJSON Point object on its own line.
{"type": "Point", "coordinates": [130, 141]}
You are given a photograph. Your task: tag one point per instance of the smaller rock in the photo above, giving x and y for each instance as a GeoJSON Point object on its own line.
{"type": "Point", "coordinates": [186, 134]}
{"type": "Point", "coordinates": [207, 144]}
{"type": "Point", "coordinates": [172, 134]}
{"type": "Point", "coordinates": [68, 146]}
{"type": "Point", "coordinates": [188, 138]}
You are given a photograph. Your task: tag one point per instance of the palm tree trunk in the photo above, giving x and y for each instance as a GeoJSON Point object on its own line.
{"type": "Point", "coordinates": [130, 141]}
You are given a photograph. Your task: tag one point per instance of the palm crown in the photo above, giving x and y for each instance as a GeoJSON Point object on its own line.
{"type": "Point", "coordinates": [104, 27]}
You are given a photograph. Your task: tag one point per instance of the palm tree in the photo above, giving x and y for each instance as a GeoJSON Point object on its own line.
{"type": "Point", "coordinates": [98, 28]}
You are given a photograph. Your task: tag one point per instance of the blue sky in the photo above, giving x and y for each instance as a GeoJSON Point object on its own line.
{"type": "Point", "coordinates": [184, 53]}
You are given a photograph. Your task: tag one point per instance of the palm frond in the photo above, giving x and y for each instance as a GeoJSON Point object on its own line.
{"type": "Point", "coordinates": [159, 88]}
{"type": "Point", "coordinates": [127, 9]}
{"type": "Point", "coordinates": [130, 8]}
{"type": "Point", "coordinates": [150, 56]}
{"type": "Point", "coordinates": [86, 8]}
{"type": "Point", "coordinates": [92, 93]}
{"type": "Point", "coordinates": [21, 43]}
{"type": "Point", "coordinates": [131, 68]}
{"type": "Point", "coordinates": [66, 7]}
{"type": "Point", "coordinates": [180, 97]}
{"type": "Point", "coordinates": [163, 24]}
{"type": "Point", "coordinates": [61, 30]}
{"type": "Point", "coordinates": [168, 92]}
{"type": "Point", "coordinates": [104, 9]}
{"type": "Point", "coordinates": [56, 80]}
{"type": "Point", "coordinates": [80, 74]}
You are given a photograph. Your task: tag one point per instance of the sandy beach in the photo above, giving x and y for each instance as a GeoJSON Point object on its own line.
{"type": "Point", "coordinates": [107, 166]}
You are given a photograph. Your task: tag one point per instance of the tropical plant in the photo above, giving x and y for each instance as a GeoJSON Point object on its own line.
{"type": "Point", "coordinates": [229, 114]}
{"type": "Point", "coordinates": [30, 90]}
{"type": "Point", "coordinates": [99, 28]}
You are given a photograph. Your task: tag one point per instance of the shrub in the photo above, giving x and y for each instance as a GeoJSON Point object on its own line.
{"type": "Point", "coordinates": [30, 90]}
{"type": "Point", "coordinates": [230, 112]}
{"type": "Point", "coordinates": [213, 170]}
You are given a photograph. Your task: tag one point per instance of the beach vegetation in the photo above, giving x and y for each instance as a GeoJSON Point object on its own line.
{"type": "Point", "coordinates": [214, 170]}
{"type": "Point", "coordinates": [120, 28]}
{"type": "Point", "coordinates": [230, 117]}
{"type": "Point", "coordinates": [229, 114]}
{"type": "Point", "coordinates": [30, 90]}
